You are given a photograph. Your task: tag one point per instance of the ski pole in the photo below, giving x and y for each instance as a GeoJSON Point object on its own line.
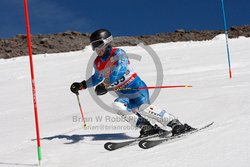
{"type": "Point", "coordinates": [161, 87]}
{"type": "Point", "coordinates": [81, 110]}
{"type": "Point", "coordinates": [150, 87]}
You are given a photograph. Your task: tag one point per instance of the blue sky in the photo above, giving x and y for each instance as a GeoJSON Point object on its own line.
{"type": "Point", "coordinates": [127, 17]}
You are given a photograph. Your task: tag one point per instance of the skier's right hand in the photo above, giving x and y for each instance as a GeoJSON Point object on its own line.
{"type": "Point", "coordinates": [76, 86]}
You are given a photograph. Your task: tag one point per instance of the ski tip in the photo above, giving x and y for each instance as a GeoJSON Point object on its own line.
{"type": "Point", "coordinates": [210, 124]}
{"type": "Point", "coordinates": [143, 144]}
{"type": "Point", "coordinates": [108, 146]}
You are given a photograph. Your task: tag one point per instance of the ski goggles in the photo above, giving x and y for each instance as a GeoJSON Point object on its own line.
{"type": "Point", "coordinates": [100, 43]}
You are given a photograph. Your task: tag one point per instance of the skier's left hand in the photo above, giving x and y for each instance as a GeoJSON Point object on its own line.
{"type": "Point", "coordinates": [101, 89]}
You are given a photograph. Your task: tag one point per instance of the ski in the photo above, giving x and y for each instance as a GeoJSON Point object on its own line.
{"type": "Point", "coordinates": [146, 144]}
{"type": "Point", "coordinates": [117, 145]}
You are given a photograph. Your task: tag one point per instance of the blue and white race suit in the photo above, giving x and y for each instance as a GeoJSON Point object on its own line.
{"type": "Point", "coordinates": [113, 68]}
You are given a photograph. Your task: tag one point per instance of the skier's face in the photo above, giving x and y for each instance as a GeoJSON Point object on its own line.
{"type": "Point", "coordinates": [100, 51]}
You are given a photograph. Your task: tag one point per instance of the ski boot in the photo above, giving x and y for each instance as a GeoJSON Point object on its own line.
{"type": "Point", "coordinates": [178, 128]}
{"type": "Point", "coordinates": [147, 129]}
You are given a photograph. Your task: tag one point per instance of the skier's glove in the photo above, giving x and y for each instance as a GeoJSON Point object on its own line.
{"type": "Point", "coordinates": [76, 86]}
{"type": "Point", "coordinates": [101, 89]}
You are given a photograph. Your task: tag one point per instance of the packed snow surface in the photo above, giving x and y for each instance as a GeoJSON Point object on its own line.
{"type": "Point", "coordinates": [214, 97]}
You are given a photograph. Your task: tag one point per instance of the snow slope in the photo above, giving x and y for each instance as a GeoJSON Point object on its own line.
{"type": "Point", "coordinates": [214, 97]}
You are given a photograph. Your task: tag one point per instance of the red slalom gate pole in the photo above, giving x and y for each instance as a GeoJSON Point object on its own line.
{"type": "Point", "coordinates": [32, 80]}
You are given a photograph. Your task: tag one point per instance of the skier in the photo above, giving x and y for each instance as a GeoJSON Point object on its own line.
{"type": "Point", "coordinates": [113, 70]}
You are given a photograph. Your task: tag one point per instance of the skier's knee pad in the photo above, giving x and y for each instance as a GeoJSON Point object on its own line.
{"type": "Point", "coordinates": [120, 108]}
{"type": "Point", "coordinates": [157, 114]}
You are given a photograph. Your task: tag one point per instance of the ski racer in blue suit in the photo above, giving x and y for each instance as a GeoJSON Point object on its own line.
{"type": "Point", "coordinates": [113, 71]}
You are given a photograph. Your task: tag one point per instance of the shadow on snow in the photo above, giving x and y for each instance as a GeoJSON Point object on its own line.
{"type": "Point", "coordinates": [94, 137]}
{"type": "Point", "coordinates": [17, 164]}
